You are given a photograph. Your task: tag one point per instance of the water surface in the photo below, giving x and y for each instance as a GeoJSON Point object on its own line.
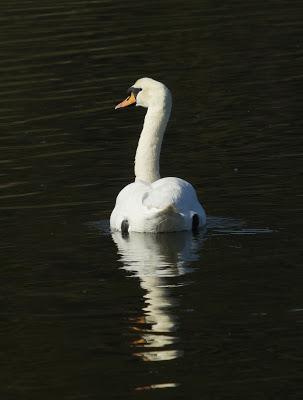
{"type": "Point", "coordinates": [90, 315]}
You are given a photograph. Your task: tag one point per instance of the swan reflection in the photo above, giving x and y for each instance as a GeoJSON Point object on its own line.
{"type": "Point", "coordinates": [156, 260]}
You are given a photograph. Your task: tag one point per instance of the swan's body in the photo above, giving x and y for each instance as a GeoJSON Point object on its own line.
{"type": "Point", "coordinates": [166, 205]}
{"type": "Point", "coordinates": [152, 204]}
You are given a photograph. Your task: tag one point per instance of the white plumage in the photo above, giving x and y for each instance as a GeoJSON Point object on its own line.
{"type": "Point", "coordinates": [152, 204]}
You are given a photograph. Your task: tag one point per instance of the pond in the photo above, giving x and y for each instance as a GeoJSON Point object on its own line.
{"type": "Point", "coordinates": [87, 314]}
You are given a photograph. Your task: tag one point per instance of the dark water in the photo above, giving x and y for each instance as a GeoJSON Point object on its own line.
{"type": "Point", "coordinates": [85, 315]}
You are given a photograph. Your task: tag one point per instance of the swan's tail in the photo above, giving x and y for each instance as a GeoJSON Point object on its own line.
{"type": "Point", "coordinates": [168, 219]}
{"type": "Point", "coordinates": [168, 210]}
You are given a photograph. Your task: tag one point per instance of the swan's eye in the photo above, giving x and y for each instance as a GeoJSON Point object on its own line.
{"type": "Point", "coordinates": [134, 90]}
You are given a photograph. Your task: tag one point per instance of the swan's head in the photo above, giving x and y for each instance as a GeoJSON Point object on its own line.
{"type": "Point", "coordinates": [147, 92]}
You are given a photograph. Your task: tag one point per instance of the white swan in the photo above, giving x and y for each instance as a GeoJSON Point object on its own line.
{"type": "Point", "coordinates": [151, 204]}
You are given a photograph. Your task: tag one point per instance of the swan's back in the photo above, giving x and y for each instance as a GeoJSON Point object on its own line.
{"type": "Point", "coordinates": [167, 205]}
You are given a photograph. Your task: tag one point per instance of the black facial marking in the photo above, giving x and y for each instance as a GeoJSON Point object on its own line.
{"type": "Point", "coordinates": [134, 90]}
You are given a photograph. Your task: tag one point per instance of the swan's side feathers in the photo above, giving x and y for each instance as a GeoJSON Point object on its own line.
{"type": "Point", "coordinates": [165, 205]}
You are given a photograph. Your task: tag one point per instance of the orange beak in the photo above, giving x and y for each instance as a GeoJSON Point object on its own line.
{"type": "Point", "coordinates": [127, 102]}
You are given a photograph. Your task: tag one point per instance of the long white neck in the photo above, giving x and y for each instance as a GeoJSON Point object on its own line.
{"type": "Point", "coordinates": [149, 147]}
